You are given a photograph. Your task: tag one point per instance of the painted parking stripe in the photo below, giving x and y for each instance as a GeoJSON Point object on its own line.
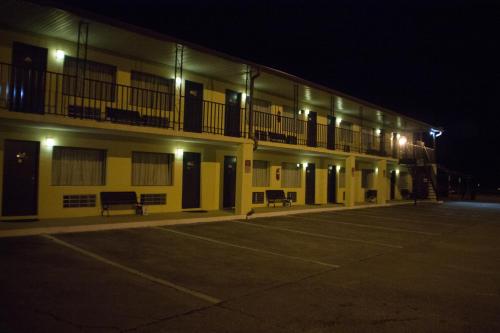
{"type": "Point", "coordinates": [151, 278]}
{"type": "Point", "coordinates": [399, 219]}
{"type": "Point", "coordinates": [207, 239]}
{"type": "Point", "coordinates": [366, 225]}
{"type": "Point", "coordinates": [354, 240]}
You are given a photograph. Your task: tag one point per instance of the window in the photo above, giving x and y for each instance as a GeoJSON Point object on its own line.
{"type": "Point", "coordinates": [98, 82]}
{"type": "Point", "coordinates": [260, 174]}
{"type": "Point", "coordinates": [78, 166]}
{"type": "Point", "coordinates": [151, 91]}
{"type": "Point", "coordinates": [152, 168]}
{"type": "Point", "coordinates": [290, 175]}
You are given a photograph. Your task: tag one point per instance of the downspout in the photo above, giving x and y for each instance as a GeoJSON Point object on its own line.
{"type": "Point", "coordinates": [250, 105]}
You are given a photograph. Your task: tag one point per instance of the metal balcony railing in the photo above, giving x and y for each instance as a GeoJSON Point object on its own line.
{"type": "Point", "coordinates": [46, 92]}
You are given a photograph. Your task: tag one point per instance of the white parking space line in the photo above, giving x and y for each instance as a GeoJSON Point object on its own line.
{"type": "Point", "coordinates": [354, 240]}
{"type": "Point", "coordinates": [151, 278]}
{"type": "Point", "coordinates": [366, 226]}
{"type": "Point", "coordinates": [399, 219]}
{"type": "Point", "coordinates": [207, 239]}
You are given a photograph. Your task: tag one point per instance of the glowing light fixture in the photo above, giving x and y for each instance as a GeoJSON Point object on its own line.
{"type": "Point", "coordinates": [306, 112]}
{"type": "Point", "coordinates": [378, 131]}
{"type": "Point", "coordinates": [179, 152]}
{"type": "Point", "coordinates": [50, 142]}
{"type": "Point", "coordinates": [59, 54]}
{"type": "Point", "coordinates": [338, 120]}
{"type": "Point", "coordinates": [398, 136]}
{"type": "Point", "coordinates": [435, 133]}
{"type": "Point", "coordinates": [338, 168]}
{"type": "Point", "coordinates": [402, 140]}
{"type": "Point", "coordinates": [298, 165]}
{"type": "Point", "coordinates": [305, 165]}
{"type": "Point", "coordinates": [397, 172]}
{"type": "Point", "coordinates": [178, 81]}
{"type": "Point", "coordinates": [376, 170]}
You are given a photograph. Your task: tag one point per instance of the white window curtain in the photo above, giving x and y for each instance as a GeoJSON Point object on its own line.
{"type": "Point", "coordinates": [151, 91]}
{"type": "Point", "coordinates": [260, 173]}
{"type": "Point", "coordinates": [89, 79]}
{"type": "Point", "coordinates": [290, 175]}
{"type": "Point", "coordinates": [151, 168]}
{"type": "Point", "coordinates": [78, 166]}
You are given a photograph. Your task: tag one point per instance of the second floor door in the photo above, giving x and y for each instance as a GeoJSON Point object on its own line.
{"type": "Point", "coordinates": [311, 129]}
{"type": "Point", "coordinates": [29, 65]}
{"type": "Point", "coordinates": [232, 114]}
{"type": "Point", "coordinates": [193, 107]}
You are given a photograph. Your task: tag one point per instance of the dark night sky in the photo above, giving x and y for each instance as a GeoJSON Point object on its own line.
{"type": "Point", "coordinates": [434, 60]}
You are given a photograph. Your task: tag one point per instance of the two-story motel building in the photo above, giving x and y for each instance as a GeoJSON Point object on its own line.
{"type": "Point", "coordinates": [90, 105]}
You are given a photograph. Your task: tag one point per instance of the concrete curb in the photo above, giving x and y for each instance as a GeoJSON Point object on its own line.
{"type": "Point", "coordinates": [158, 223]}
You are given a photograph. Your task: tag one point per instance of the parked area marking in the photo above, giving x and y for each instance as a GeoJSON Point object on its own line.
{"type": "Point", "coordinates": [247, 248]}
{"type": "Point", "coordinates": [151, 278]}
{"type": "Point", "coordinates": [367, 226]}
{"type": "Point", "coordinates": [398, 219]}
{"type": "Point", "coordinates": [321, 235]}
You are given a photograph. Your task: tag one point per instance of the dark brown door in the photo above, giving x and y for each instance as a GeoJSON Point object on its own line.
{"type": "Point", "coordinates": [20, 178]}
{"type": "Point", "coordinates": [29, 64]}
{"type": "Point", "coordinates": [311, 129]}
{"type": "Point", "coordinates": [193, 107]}
{"type": "Point", "coordinates": [330, 139]}
{"type": "Point", "coordinates": [310, 183]}
{"type": "Point", "coordinates": [332, 184]}
{"type": "Point", "coordinates": [191, 166]}
{"type": "Point", "coordinates": [393, 185]}
{"type": "Point", "coordinates": [232, 113]}
{"type": "Point", "coordinates": [229, 195]}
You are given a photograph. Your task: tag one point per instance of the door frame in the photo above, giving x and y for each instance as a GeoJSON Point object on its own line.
{"type": "Point", "coordinates": [332, 193]}
{"type": "Point", "coordinates": [192, 122]}
{"type": "Point", "coordinates": [230, 159]}
{"type": "Point", "coordinates": [36, 175]}
{"type": "Point", "coordinates": [185, 190]}
{"type": "Point", "coordinates": [310, 196]}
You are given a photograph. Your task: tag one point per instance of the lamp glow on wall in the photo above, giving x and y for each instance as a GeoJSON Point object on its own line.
{"type": "Point", "coordinates": [338, 120]}
{"type": "Point", "coordinates": [376, 170]}
{"type": "Point", "coordinates": [402, 140]}
{"type": "Point", "coordinates": [49, 142]}
{"type": "Point", "coordinates": [338, 168]}
{"type": "Point", "coordinates": [306, 112]}
{"type": "Point", "coordinates": [377, 131]}
{"type": "Point", "coordinates": [178, 81]}
{"type": "Point", "coordinates": [397, 172]}
{"type": "Point", "coordinates": [305, 165]}
{"type": "Point", "coordinates": [179, 153]}
{"type": "Point", "coordinates": [59, 55]}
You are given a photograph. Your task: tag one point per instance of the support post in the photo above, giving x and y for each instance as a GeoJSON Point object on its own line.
{"type": "Point", "coordinates": [178, 68]}
{"type": "Point", "coordinates": [350, 191]}
{"type": "Point", "coordinates": [381, 181]}
{"type": "Point", "coordinates": [244, 178]}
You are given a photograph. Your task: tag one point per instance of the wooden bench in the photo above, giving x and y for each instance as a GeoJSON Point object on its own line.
{"type": "Point", "coordinates": [274, 196]}
{"type": "Point", "coordinates": [120, 199]}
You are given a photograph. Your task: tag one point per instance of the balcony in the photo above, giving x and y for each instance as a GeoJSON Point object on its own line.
{"type": "Point", "coordinates": [38, 92]}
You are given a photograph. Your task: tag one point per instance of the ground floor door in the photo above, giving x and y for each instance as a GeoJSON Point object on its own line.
{"type": "Point", "coordinates": [310, 183]}
{"type": "Point", "coordinates": [332, 184]}
{"type": "Point", "coordinates": [191, 166]}
{"type": "Point", "coordinates": [393, 185]}
{"type": "Point", "coordinates": [229, 192]}
{"type": "Point", "coordinates": [20, 178]}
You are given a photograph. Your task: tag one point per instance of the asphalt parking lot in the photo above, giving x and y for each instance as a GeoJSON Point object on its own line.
{"type": "Point", "coordinates": [424, 268]}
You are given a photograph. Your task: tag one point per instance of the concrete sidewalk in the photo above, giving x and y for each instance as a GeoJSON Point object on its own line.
{"type": "Point", "coordinates": [98, 223]}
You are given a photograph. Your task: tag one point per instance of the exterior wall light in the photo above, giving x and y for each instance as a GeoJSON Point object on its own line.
{"type": "Point", "coordinates": [377, 131]}
{"type": "Point", "coordinates": [397, 172]}
{"type": "Point", "coordinates": [338, 168]}
{"type": "Point", "coordinates": [402, 140]}
{"type": "Point", "coordinates": [338, 120]}
{"type": "Point", "coordinates": [59, 54]}
{"type": "Point", "coordinates": [306, 112]}
{"type": "Point", "coordinates": [305, 165]}
{"type": "Point", "coordinates": [298, 165]}
{"type": "Point", "coordinates": [179, 152]}
{"type": "Point", "coordinates": [178, 81]}
{"type": "Point", "coordinates": [376, 170]}
{"type": "Point", "coordinates": [49, 142]}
